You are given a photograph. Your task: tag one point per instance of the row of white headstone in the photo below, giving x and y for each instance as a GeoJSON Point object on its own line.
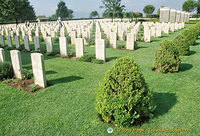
{"type": "Point", "coordinates": [38, 67]}
{"type": "Point", "coordinates": [172, 15]}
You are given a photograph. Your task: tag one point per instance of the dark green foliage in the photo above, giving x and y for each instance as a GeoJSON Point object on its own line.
{"type": "Point", "coordinates": [189, 5]}
{"type": "Point", "coordinates": [41, 38]}
{"type": "Point", "coordinates": [6, 70]}
{"type": "Point", "coordinates": [121, 46]}
{"type": "Point", "coordinates": [34, 88]}
{"type": "Point", "coordinates": [152, 16]}
{"type": "Point", "coordinates": [9, 48]}
{"type": "Point", "coordinates": [50, 54]}
{"type": "Point", "coordinates": [87, 58]}
{"type": "Point", "coordinates": [167, 58]}
{"type": "Point", "coordinates": [96, 61]}
{"type": "Point", "coordinates": [123, 98]}
{"type": "Point", "coordinates": [56, 40]}
{"type": "Point", "coordinates": [196, 15]}
{"type": "Point", "coordinates": [148, 9]}
{"type": "Point", "coordinates": [182, 46]}
{"type": "Point", "coordinates": [190, 35]}
{"type": "Point", "coordinates": [26, 74]}
{"type": "Point", "coordinates": [62, 11]}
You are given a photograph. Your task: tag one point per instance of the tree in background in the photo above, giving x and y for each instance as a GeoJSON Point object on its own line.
{"type": "Point", "coordinates": [198, 6]}
{"type": "Point", "coordinates": [94, 14]}
{"type": "Point", "coordinates": [113, 8]}
{"type": "Point", "coordinates": [189, 5]}
{"type": "Point", "coordinates": [62, 11]}
{"type": "Point", "coordinates": [148, 9]}
{"type": "Point", "coordinates": [16, 10]}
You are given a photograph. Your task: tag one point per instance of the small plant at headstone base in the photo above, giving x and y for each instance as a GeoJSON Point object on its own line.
{"type": "Point", "coordinates": [21, 48]}
{"type": "Point", "coordinates": [34, 88]}
{"type": "Point", "coordinates": [41, 38]}
{"type": "Point", "coordinates": [49, 54]}
{"type": "Point", "coordinates": [87, 58]}
{"type": "Point", "coordinates": [25, 51]}
{"type": "Point", "coordinates": [167, 58]}
{"type": "Point", "coordinates": [97, 61]}
{"type": "Point", "coordinates": [123, 99]}
{"type": "Point", "coordinates": [69, 39]}
{"type": "Point", "coordinates": [55, 40]}
{"type": "Point", "coordinates": [121, 46]}
{"type": "Point", "coordinates": [9, 48]}
{"type": "Point", "coordinates": [107, 43]}
{"type": "Point", "coordinates": [181, 45]}
{"type": "Point", "coordinates": [6, 70]}
{"type": "Point", "coordinates": [190, 35]}
{"type": "Point", "coordinates": [71, 54]}
{"type": "Point", "coordinates": [26, 74]}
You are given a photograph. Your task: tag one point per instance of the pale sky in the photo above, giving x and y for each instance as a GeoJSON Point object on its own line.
{"type": "Point", "coordinates": [82, 8]}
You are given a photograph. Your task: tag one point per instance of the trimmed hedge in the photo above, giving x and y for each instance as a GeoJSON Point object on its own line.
{"type": "Point", "coordinates": [6, 70]}
{"type": "Point", "coordinates": [167, 58]}
{"type": "Point", "coordinates": [123, 98]}
{"type": "Point", "coordinates": [181, 45]}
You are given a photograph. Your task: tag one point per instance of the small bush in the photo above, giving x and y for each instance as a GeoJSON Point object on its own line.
{"type": "Point", "coordinates": [167, 58]}
{"type": "Point", "coordinates": [96, 61]}
{"type": "Point", "coordinates": [87, 58]}
{"type": "Point", "coordinates": [190, 36]}
{"type": "Point", "coordinates": [26, 74]}
{"type": "Point", "coordinates": [120, 46]}
{"type": "Point", "coordinates": [34, 88]}
{"type": "Point", "coordinates": [41, 38]}
{"type": "Point", "coordinates": [6, 70]}
{"type": "Point", "coordinates": [153, 16]}
{"type": "Point", "coordinates": [181, 45]}
{"type": "Point", "coordinates": [55, 40]}
{"type": "Point", "coordinates": [123, 98]}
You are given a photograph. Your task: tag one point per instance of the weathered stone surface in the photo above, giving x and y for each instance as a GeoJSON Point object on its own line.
{"type": "Point", "coordinates": [2, 40]}
{"type": "Point", "coordinates": [130, 42]}
{"type": "Point", "coordinates": [63, 46]}
{"type": "Point", "coordinates": [49, 45]}
{"type": "Point", "coordinates": [17, 41]}
{"type": "Point", "coordinates": [16, 63]}
{"type": "Point", "coordinates": [113, 39]}
{"type": "Point", "coordinates": [97, 35]}
{"type": "Point", "coordinates": [172, 18]}
{"type": "Point", "coordinates": [164, 14]}
{"type": "Point", "coordinates": [37, 43]}
{"type": "Point", "coordinates": [38, 67]}
{"type": "Point", "coordinates": [79, 47]}
{"type": "Point", "coordinates": [2, 55]}
{"type": "Point", "coordinates": [26, 43]}
{"type": "Point", "coordinates": [9, 41]}
{"type": "Point", "coordinates": [100, 49]}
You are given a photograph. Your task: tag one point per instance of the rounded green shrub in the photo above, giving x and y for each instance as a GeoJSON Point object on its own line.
{"type": "Point", "coordinates": [181, 45]}
{"type": "Point", "coordinates": [167, 58]}
{"type": "Point", "coordinates": [190, 35]}
{"type": "Point", "coordinates": [6, 70]}
{"type": "Point", "coordinates": [123, 98]}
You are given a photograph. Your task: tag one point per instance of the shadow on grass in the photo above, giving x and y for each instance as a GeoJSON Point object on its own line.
{"type": "Point", "coordinates": [111, 58]}
{"type": "Point", "coordinates": [50, 72]}
{"type": "Point", "coordinates": [192, 52]}
{"type": "Point", "coordinates": [185, 67]}
{"type": "Point", "coordinates": [64, 80]}
{"type": "Point", "coordinates": [164, 102]}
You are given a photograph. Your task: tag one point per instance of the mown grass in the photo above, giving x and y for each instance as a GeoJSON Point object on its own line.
{"type": "Point", "coordinates": [67, 107]}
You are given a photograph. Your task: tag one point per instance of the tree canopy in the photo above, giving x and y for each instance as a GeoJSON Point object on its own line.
{"type": "Point", "coordinates": [148, 9]}
{"type": "Point", "coordinates": [189, 5]}
{"type": "Point", "coordinates": [94, 14]}
{"type": "Point", "coordinates": [62, 11]}
{"type": "Point", "coordinates": [17, 10]}
{"type": "Point", "coordinates": [113, 8]}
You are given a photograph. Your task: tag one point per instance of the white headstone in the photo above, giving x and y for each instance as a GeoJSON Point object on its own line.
{"type": "Point", "coordinates": [130, 41]}
{"type": "Point", "coordinates": [37, 60]}
{"type": "Point", "coordinates": [49, 45]}
{"type": "Point", "coordinates": [79, 47]}
{"type": "Point", "coordinates": [100, 49]}
{"type": "Point", "coordinates": [17, 41]}
{"type": "Point", "coordinates": [2, 55]}
{"type": "Point", "coordinates": [113, 39]}
{"type": "Point", "coordinates": [26, 43]}
{"type": "Point", "coordinates": [16, 63]}
{"type": "Point", "coordinates": [63, 46]}
{"type": "Point", "coordinates": [37, 43]}
{"type": "Point", "coordinates": [2, 40]}
{"type": "Point", "coordinates": [9, 41]}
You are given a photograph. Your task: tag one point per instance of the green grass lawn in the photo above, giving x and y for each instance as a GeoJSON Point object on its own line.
{"type": "Point", "coordinates": [67, 107]}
